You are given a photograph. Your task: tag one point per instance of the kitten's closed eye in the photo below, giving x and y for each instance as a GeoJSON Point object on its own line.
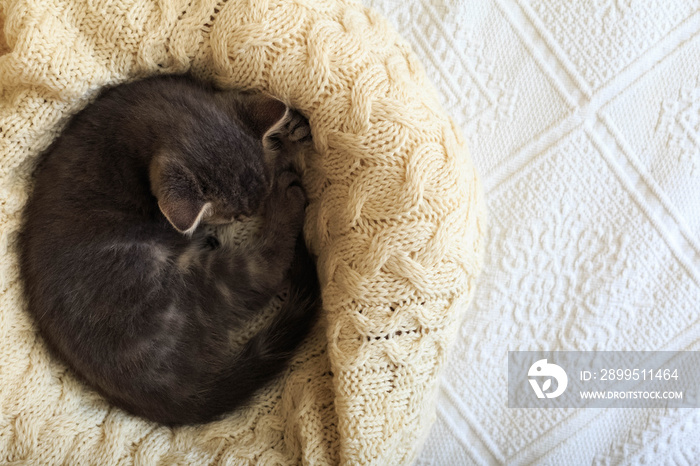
{"type": "Point", "coordinates": [212, 242]}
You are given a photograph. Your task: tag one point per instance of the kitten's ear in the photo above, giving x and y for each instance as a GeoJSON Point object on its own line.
{"type": "Point", "coordinates": [262, 113]}
{"type": "Point", "coordinates": [178, 194]}
{"type": "Point", "coordinates": [183, 212]}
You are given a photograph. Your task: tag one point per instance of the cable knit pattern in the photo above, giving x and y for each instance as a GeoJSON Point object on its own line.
{"type": "Point", "coordinates": [396, 217]}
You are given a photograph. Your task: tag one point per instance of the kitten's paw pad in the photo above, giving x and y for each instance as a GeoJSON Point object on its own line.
{"type": "Point", "coordinates": [297, 128]}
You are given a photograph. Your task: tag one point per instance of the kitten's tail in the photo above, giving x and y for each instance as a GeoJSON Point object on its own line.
{"type": "Point", "coordinates": [267, 353]}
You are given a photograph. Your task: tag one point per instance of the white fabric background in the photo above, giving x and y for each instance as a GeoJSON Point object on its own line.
{"type": "Point", "coordinates": [584, 121]}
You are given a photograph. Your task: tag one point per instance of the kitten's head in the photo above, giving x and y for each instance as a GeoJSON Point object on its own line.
{"type": "Point", "coordinates": [219, 166]}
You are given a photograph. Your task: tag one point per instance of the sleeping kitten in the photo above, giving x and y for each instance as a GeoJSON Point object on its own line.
{"type": "Point", "coordinates": [126, 264]}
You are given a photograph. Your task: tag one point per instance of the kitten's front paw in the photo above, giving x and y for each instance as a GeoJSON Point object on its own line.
{"type": "Point", "coordinates": [297, 128]}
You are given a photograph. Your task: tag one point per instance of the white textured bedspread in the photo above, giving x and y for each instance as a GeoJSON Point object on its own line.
{"type": "Point", "coordinates": [584, 120]}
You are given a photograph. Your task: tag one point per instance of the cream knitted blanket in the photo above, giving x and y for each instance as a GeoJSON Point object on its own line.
{"type": "Point", "coordinates": [396, 219]}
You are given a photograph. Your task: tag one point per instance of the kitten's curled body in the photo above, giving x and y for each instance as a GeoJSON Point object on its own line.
{"type": "Point", "coordinates": [121, 271]}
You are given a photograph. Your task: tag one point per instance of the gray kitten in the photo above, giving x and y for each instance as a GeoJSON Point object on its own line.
{"type": "Point", "coordinates": [124, 272]}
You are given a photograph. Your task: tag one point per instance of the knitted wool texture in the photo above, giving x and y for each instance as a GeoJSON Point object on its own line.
{"type": "Point", "coordinates": [396, 217]}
